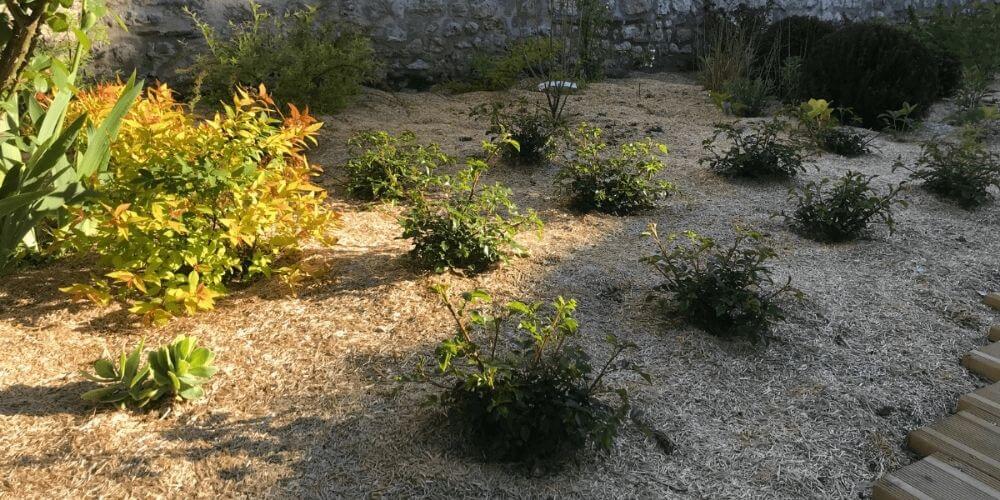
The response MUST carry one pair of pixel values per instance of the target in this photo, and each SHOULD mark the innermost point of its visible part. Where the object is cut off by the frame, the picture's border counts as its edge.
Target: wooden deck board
(984, 403)
(965, 437)
(937, 477)
(992, 300)
(962, 452)
(985, 361)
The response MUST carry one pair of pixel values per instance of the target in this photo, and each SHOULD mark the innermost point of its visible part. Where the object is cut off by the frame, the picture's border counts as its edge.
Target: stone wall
(433, 39)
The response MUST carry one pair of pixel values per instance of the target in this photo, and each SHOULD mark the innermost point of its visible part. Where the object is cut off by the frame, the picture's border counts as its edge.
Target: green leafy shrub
(619, 184)
(720, 290)
(177, 370)
(961, 172)
(968, 31)
(872, 68)
(815, 121)
(844, 142)
(466, 225)
(386, 167)
(188, 206)
(898, 121)
(843, 211)
(516, 385)
(298, 57)
(532, 130)
(755, 152)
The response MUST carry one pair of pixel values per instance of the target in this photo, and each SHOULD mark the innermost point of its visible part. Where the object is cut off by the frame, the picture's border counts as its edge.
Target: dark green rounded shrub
(872, 68)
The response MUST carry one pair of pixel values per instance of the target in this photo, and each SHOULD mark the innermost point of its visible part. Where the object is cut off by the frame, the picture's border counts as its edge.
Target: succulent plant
(128, 380)
(181, 368)
(178, 369)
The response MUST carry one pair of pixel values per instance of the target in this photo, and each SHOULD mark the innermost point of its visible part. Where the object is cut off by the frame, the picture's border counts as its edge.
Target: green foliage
(746, 97)
(594, 18)
(386, 167)
(872, 68)
(904, 119)
(783, 47)
(618, 184)
(815, 122)
(512, 380)
(720, 290)
(532, 130)
(843, 142)
(493, 72)
(755, 152)
(969, 31)
(728, 48)
(465, 225)
(843, 211)
(298, 57)
(178, 370)
(188, 206)
(42, 166)
(961, 172)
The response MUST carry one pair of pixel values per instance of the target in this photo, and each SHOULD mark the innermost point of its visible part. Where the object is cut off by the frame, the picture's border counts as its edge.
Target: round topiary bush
(873, 68)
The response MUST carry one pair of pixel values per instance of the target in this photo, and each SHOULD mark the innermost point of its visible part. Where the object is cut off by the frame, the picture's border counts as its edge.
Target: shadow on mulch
(37, 401)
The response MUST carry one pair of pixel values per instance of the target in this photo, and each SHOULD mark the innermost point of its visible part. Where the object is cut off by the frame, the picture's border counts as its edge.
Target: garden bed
(307, 405)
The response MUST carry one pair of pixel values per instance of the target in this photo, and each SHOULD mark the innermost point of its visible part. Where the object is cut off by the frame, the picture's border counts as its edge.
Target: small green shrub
(755, 152)
(619, 184)
(872, 68)
(815, 121)
(386, 167)
(465, 225)
(516, 385)
(960, 172)
(843, 211)
(298, 57)
(720, 290)
(178, 370)
(898, 121)
(532, 130)
(844, 142)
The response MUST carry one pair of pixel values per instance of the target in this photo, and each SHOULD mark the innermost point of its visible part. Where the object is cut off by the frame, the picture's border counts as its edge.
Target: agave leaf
(201, 357)
(204, 371)
(156, 395)
(183, 367)
(174, 382)
(104, 395)
(93, 378)
(132, 362)
(195, 392)
(140, 376)
(105, 369)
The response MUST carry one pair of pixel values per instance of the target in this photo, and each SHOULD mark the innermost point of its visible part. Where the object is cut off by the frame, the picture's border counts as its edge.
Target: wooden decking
(962, 452)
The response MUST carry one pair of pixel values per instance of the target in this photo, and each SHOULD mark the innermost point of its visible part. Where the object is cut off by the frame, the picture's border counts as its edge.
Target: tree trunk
(17, 51)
